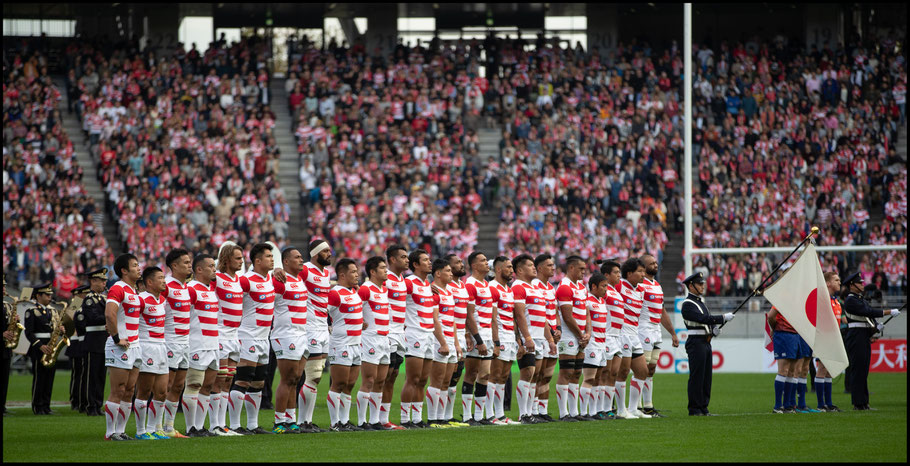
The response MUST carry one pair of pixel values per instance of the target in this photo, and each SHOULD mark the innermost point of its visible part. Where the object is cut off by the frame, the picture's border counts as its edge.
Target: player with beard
(649, 329)
(546, 267)
(460, 293)
(481, 314)
(316, 277)
(203, 348)
(288, 338)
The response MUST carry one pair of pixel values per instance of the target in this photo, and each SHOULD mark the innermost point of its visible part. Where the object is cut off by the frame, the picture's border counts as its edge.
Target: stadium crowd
(48, 229)
(183, 143)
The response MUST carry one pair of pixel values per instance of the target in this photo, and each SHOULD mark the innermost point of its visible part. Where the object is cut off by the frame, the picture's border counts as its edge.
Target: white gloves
(895, 312)
(728, 317)
(715, 331)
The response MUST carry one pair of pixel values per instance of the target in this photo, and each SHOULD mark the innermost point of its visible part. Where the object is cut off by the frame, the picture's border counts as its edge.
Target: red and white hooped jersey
(653, 296)
(258, 306)
(151, 325)
(460, 294)
(177, 323)
(419, 305)
(549, 295)
(318, 286)
(575, 295)
(446, 302)
(203, 317)
(346, 309)
(129, 308)
(505, 307)
(230, 300)
(613, 300)
(375, 308)
(398, 292)
(290, 308)
(535, 306)
(632, 307)
(599, 319)
(480, 292)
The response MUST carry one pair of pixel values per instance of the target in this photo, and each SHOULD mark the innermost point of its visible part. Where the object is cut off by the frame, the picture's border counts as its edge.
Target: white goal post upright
(687, 132)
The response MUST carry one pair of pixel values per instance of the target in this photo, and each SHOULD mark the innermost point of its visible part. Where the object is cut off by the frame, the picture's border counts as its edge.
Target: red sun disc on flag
(812, 306)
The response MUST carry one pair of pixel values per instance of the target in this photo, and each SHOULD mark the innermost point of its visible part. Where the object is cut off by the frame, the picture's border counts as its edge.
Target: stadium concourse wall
(738, 351)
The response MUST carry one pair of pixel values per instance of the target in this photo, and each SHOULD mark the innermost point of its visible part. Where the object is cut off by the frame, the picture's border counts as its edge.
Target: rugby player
(230, 301)
(123, 352)
(460, 294)
(202, 350)
(176, 333)
(822, 376)
(633, 273)
(571, 296)
(420, 322)
(649, 329)
(614, 303)
(595, 352)
(481, 313)
(152, 381)
(375, 344)
(500, 367)
(447, 350)
(288, 339)
(397, 261)
(346, 310)
(546, 267)
(530, 320)
(316, 277)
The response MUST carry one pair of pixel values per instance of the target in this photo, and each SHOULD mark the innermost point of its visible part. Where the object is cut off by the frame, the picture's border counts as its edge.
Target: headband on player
(321, 247)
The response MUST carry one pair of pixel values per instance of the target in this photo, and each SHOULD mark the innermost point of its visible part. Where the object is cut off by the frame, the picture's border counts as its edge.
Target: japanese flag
(800, 294)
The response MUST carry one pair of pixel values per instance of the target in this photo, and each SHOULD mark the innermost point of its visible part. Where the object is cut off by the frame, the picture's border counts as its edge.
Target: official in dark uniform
(701, 327)
(76, 353)
(38, 328)
(7, 353)
(95, 336)
(861, 326)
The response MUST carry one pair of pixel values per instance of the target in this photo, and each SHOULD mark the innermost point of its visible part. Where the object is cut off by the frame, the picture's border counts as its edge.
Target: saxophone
(58, 337)
(12, 316)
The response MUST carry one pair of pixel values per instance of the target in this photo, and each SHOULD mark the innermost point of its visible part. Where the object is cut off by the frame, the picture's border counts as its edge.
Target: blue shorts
(786, 345)
(804, 350)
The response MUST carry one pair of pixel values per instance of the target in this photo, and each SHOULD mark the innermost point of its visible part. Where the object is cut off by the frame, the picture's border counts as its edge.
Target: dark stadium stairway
(90, 179)
(289, 164)
(673, 262)
(488, 223)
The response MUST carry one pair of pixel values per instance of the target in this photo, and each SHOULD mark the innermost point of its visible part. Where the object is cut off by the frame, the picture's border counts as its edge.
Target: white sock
(203, 410)
(635, 393)
(585, 400)
(384, 411)
(141, 407)
(467, 405)
(432, 400)
(170, 412)
(125, 409)
(223, 407)
(609, 391)
(543, 407)
(620, 397)
(334, 404)
(279, 418)
(111, 413)
(532, 399)
(450, 405)
(154, 421)
(405, 412)
(417, 412)
(290, 416)
(190, 404)
(573, 399)
(441, 405)
(647, 393)
(235, 407)
(363, 400)
(523, 392)
(344, 416)
(562, 400)
(214, 410)
(252, 403)
(376, 407)
(309, 400)
(498, 399)
(489, 403)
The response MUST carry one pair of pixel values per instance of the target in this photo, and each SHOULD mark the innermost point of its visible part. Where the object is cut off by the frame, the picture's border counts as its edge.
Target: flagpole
(761, 286)
(889, 318)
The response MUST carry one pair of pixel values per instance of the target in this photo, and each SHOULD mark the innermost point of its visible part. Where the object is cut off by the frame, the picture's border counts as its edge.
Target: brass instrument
(12, 316)
(58, 337)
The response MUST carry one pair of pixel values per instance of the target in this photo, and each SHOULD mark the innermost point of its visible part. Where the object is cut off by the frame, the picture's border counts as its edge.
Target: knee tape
(194, 377)
(395, 361)
(527, 360)
(260, 373)
(313, 371)
(244, 374)
(457, 374)
(653, 356)
(222, 371)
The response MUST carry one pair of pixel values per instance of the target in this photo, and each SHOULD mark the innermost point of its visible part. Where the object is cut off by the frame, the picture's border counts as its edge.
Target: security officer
(861, 326)
(701, 328)
(95, 336)
(76, 353)
(38, 321)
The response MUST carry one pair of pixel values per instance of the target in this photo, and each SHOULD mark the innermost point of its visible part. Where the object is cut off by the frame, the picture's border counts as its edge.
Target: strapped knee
(260, 373)
(244, 374)
(194, 379)
(313, 371)
(654, 356)
(457, 374)
(223, 371)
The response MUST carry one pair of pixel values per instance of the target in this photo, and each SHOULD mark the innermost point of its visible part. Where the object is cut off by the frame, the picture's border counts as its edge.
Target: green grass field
(745, 430)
